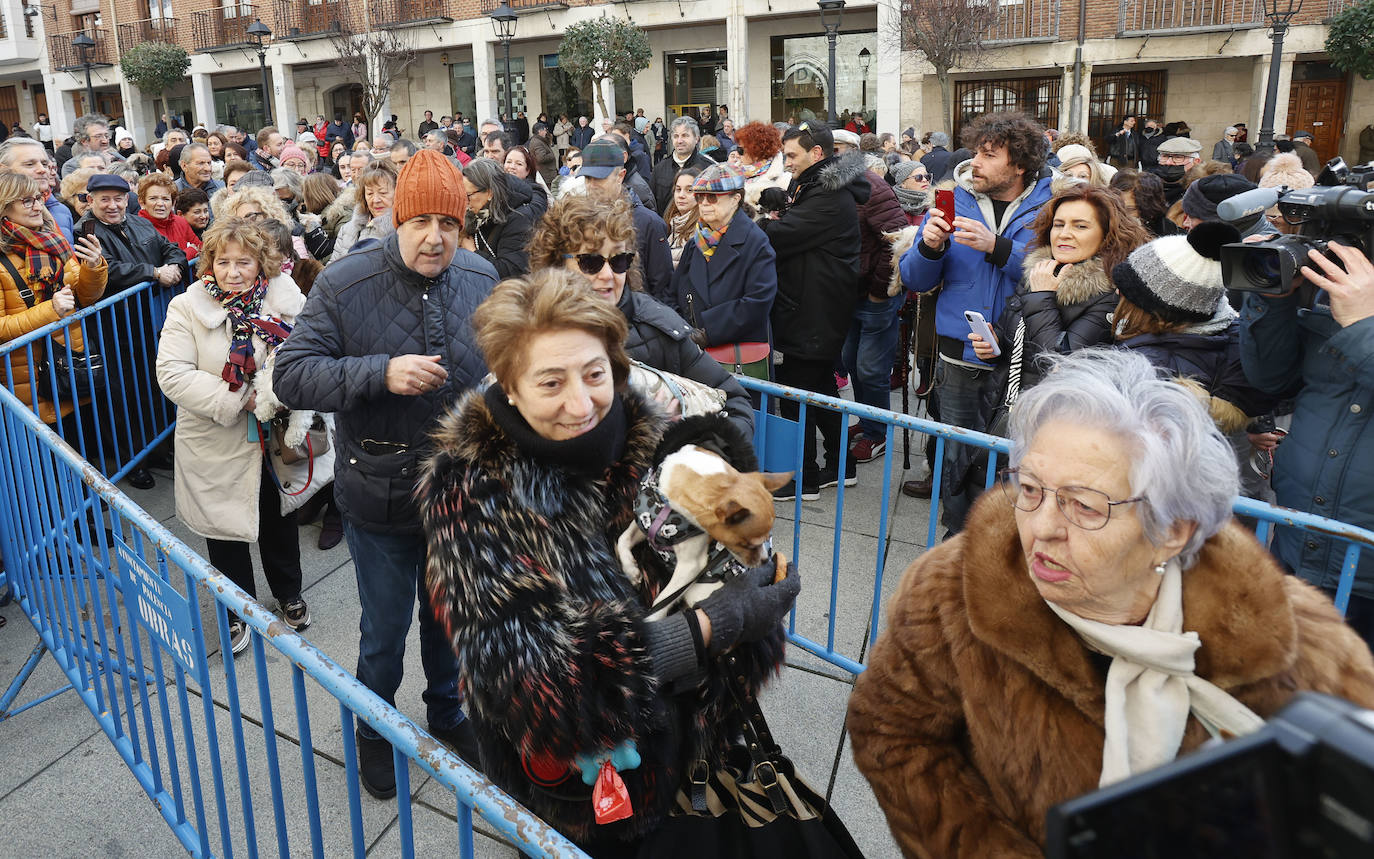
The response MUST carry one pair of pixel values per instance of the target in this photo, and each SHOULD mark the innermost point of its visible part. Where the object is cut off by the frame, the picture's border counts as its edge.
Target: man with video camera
(1325, 355)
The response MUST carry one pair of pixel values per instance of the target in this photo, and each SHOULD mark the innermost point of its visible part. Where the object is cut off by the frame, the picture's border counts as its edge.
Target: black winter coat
(581, 136)
(132, 250)
(662, 339)
(1070, 318)
(654, 258)
(365, 309)
(817, 243)
(730, 295)
(936, 162)
(666, 171)
(506, 245)
(881, 214)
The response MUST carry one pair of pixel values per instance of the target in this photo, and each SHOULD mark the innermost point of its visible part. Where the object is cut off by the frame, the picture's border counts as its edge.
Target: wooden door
(1318, 107)
(9, 107)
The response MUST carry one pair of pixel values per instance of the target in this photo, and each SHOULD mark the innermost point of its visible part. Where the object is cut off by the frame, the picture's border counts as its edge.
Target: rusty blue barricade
(139, 623)
(779, 443)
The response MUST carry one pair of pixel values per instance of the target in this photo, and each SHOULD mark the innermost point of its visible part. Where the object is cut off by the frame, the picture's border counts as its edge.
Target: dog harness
(665, 527)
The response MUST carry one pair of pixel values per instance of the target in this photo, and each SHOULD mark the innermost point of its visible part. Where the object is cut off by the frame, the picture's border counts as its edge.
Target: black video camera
(1339, 208)
(1302, 787)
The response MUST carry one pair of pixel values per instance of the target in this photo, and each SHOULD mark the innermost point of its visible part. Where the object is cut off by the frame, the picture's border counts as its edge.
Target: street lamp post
(865, 60)
(84, 45)
(1278, 13)
(503, 23)
(260, 33)
(831, 12)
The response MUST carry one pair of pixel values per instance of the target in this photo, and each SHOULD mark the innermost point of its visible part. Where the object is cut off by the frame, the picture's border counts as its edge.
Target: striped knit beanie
(1178, 278)
(429, 184)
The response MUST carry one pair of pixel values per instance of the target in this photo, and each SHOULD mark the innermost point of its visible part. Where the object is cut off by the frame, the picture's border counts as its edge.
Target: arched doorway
(345, 101)
(1115, 96)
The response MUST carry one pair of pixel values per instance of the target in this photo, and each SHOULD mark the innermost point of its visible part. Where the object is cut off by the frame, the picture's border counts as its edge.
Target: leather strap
(763, 749)
(21, 285)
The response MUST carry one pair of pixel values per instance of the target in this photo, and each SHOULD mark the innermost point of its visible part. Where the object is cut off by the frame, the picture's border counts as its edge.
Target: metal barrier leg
(17, 684)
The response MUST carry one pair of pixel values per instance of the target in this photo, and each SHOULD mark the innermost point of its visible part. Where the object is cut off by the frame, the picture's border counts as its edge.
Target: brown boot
(918, 488)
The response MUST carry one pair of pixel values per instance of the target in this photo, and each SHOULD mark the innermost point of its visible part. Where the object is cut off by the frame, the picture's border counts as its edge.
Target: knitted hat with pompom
(1178, 278)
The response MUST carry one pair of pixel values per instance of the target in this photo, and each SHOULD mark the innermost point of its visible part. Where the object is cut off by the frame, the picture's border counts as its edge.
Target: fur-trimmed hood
(339, 212)
(1083, 281)
(843, 170)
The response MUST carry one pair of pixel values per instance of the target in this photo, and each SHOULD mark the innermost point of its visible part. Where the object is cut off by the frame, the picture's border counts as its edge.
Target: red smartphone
(944, 201)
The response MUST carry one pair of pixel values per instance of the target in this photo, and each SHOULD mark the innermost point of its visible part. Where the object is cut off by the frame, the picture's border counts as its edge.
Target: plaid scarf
(707, 238)
(45, 251)
(246, 319)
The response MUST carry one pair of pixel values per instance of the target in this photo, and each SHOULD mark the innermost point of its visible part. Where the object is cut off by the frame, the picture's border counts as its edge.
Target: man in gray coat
(385, 344)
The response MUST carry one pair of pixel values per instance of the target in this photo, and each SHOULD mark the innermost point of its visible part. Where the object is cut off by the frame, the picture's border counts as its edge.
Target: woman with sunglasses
(911, 183)
(596, 237)
(38, 253)
(728, 275)
(500, 217)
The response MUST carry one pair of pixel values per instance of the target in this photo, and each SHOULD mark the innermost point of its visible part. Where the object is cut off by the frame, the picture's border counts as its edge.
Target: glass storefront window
(463, 86)
(800, 73)
(240, 107)
(693, 82)
(560, 94)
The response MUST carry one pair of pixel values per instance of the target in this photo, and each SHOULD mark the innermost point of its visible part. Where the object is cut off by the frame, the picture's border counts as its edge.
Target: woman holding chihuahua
(44, 279)
(1066, 296)
(217, 335)
(532, 481)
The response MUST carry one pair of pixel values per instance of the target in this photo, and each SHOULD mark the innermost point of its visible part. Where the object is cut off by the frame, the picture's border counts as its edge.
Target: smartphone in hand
(944, 201)
(978, 325)
(88, 228)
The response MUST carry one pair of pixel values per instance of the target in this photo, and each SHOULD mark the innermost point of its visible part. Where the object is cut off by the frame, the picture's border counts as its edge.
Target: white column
(203, 97)
(136, 109)
(59, 109)
(888, 65)
(737, 63)
(484, 82)
(608, 93)
(284, 97)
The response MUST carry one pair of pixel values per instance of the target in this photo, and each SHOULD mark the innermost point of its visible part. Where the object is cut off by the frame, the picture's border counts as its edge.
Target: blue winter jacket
(62, 215)
(974, 280)
(1325, 466)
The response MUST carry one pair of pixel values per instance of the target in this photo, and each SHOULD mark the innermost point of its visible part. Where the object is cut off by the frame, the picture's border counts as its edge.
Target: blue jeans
(390, 571)
(960, 391)
(868, 354)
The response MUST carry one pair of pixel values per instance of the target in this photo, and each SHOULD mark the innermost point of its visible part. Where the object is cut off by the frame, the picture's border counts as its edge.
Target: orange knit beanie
(429, 184)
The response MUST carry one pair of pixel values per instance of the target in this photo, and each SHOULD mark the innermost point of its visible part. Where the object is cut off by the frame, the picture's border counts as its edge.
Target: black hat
(1201, 199)
(106, 182)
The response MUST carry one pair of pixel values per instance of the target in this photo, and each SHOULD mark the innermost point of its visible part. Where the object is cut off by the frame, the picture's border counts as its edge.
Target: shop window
(1036, 97)
(1115, 96)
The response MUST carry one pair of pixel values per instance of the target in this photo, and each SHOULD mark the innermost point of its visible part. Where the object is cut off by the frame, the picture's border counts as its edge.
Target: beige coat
(218, 471)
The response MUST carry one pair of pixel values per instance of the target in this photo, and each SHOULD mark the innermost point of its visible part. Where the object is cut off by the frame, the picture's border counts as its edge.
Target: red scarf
(45, 251)
(246, 320)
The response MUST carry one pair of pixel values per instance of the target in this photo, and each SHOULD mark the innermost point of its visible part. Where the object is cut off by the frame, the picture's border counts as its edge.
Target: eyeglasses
(705, 197)
(920, 177)
(591, 264)
(1086, 508)
(30, 202)
(83, 197)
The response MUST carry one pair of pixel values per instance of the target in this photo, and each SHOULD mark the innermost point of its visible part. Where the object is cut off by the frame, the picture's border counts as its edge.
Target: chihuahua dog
(718, 506)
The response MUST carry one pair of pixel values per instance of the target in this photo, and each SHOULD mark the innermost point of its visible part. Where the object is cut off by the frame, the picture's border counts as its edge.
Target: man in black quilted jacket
(384, 343)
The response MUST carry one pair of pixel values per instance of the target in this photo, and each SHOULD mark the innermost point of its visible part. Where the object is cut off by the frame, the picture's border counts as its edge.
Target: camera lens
(1262, 267)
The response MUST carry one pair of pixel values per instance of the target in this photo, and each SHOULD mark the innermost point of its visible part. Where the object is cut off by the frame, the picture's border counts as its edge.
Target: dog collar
(662, 525)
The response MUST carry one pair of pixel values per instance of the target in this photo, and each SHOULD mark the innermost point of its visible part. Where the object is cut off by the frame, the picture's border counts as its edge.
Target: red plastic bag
(610, 799)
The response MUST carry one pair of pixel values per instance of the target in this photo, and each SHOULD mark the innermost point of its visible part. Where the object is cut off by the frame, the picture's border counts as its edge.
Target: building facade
(1076, 65)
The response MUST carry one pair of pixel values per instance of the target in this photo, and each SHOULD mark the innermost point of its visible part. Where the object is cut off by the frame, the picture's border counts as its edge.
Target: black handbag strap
(764, 750)
(20, 283)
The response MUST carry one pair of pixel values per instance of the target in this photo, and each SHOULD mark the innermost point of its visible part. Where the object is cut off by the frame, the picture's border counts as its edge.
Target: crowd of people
(460, 312)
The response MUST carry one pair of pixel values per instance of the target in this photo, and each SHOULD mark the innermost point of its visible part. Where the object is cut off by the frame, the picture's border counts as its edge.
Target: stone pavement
(65, 792)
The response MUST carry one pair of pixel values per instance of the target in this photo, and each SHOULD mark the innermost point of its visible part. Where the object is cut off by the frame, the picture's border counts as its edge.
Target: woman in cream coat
(217, 335)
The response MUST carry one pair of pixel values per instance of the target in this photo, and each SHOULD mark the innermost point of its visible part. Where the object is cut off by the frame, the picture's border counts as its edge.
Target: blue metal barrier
(139, 624)
(780, 447)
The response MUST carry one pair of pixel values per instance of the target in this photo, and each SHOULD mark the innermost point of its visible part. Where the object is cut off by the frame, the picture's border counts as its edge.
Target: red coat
(320, 131)
(177, 231)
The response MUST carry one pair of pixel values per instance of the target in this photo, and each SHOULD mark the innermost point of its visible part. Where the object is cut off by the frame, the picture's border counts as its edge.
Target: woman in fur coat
(1016, 669)
(218, 333)
(531, 483)
(1066, 296)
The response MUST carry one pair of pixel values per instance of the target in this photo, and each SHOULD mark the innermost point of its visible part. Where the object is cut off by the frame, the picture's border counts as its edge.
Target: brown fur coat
(980, 709)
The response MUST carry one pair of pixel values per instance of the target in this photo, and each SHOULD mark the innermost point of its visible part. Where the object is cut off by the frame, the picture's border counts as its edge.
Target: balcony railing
(489, 6)
(402, 13)
(65, 57)
(1162, 16)
(147, 30)
(301, 19)
(226, 27)
(1025, 21)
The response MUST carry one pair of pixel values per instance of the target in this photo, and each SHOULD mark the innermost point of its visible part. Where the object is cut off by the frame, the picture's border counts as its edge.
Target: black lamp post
(503, 23)
(260, 33)
(84, 45)
(831, 12)
(865, 60)
(1278, 13)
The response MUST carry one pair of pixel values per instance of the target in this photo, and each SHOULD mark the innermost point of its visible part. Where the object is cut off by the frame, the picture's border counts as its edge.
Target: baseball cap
(601, 158)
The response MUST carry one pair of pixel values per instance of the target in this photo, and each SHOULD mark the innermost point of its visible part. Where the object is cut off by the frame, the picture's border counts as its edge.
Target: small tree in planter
(604, 49)
(155, 67)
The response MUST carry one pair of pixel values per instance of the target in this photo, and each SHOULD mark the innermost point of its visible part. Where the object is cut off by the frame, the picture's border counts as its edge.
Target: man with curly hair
(976, 251)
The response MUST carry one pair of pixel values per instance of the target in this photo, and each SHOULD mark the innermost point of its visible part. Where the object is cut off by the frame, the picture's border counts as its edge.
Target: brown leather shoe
(918, 488)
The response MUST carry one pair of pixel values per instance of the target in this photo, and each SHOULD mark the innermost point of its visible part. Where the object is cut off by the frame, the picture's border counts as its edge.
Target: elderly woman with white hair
(1100, 614)
(1079, 162)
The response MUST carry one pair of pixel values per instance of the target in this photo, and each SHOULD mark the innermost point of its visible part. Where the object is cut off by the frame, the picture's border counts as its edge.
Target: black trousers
(278, 542)
(1359, 615)
(818, 377)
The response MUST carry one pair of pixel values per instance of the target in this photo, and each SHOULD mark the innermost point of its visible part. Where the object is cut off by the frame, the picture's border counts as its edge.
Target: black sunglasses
(591, 264)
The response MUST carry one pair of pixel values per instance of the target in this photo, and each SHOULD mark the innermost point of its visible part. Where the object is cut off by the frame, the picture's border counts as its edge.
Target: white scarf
(1151, 687)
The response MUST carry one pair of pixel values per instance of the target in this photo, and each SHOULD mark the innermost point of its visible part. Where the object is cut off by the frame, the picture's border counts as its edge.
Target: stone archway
(345, 99)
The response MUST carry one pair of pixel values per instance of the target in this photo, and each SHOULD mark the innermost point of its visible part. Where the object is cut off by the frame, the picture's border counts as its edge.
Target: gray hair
(487, 175)
(285, 177)
(226, 130)
(435, 134)
(82, 123)
(688, 122)
(406, 146)
(167, 135)
(496, 122)
(189, 151)
(939, 138)
(1231, 129)
(1182, 466)
(7, 148)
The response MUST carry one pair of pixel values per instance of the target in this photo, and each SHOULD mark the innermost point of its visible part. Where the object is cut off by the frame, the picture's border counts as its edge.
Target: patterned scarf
(45, 251)
(752, 170)
(246, 319)
(707, 238)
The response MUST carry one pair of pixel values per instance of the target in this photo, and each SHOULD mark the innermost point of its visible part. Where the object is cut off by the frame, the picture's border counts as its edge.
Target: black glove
(773, 199)
(749, 606)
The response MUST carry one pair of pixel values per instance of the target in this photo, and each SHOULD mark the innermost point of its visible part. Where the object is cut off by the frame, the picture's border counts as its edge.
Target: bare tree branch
(949, 34)
(376, 59)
